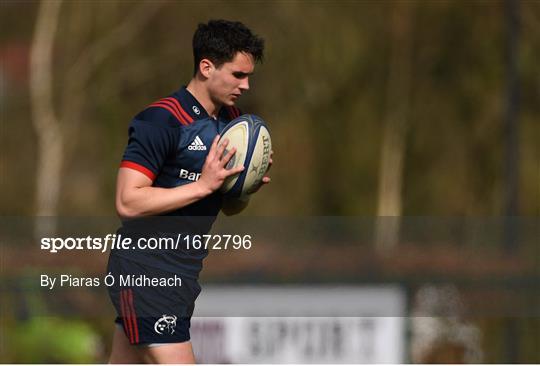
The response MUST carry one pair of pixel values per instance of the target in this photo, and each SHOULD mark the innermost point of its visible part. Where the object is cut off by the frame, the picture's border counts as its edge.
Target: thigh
(122, 352)
(179, 353)
(148, 314)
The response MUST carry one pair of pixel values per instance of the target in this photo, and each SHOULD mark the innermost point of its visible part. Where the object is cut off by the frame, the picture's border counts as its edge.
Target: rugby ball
(249, 134)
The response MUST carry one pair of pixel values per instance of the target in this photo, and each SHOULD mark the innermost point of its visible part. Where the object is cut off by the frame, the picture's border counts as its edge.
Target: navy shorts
(151, 314)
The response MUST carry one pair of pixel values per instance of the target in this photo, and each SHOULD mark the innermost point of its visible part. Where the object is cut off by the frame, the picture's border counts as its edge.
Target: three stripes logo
(129, 317)
(197, 145)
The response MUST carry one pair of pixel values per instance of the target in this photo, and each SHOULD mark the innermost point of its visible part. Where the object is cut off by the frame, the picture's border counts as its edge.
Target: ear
(206, 67)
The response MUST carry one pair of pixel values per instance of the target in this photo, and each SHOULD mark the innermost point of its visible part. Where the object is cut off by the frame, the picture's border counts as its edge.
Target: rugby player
(173, 167)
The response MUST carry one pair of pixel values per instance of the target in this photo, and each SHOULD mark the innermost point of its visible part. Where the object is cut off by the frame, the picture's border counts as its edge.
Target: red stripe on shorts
(128, 316)
(123, 311)
(133, 315)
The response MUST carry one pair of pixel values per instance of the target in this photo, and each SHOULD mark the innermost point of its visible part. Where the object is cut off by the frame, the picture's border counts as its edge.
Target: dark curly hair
(220, 40)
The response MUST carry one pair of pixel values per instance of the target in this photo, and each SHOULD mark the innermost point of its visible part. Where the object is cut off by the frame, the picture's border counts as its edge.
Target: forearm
(147, 201)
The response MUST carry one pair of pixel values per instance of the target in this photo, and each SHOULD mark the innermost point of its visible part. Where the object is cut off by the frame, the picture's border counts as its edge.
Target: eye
(240, 75)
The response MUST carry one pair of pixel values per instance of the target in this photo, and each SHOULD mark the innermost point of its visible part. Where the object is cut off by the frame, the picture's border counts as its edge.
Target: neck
(197, 88)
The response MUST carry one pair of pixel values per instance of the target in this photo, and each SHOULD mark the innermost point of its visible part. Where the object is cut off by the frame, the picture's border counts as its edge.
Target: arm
(136, 197)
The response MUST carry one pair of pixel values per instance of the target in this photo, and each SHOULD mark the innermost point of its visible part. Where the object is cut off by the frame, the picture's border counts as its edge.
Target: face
(228, 82)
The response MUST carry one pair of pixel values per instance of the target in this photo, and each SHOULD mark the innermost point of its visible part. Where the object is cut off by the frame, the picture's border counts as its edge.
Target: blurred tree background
(325, 88)
(375, 108)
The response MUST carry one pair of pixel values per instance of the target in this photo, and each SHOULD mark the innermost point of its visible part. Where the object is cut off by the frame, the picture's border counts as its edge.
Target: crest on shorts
(166, 324)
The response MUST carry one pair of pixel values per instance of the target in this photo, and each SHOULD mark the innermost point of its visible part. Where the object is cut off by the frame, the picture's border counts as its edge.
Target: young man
(173, 168)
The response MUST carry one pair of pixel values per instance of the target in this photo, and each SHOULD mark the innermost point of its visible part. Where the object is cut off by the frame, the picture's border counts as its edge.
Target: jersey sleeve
(148, 147)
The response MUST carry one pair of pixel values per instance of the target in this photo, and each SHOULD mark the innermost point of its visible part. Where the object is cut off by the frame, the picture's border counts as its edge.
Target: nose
(244, 85)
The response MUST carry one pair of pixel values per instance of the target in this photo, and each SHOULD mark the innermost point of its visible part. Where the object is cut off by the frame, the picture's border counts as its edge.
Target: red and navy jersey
(168, 142)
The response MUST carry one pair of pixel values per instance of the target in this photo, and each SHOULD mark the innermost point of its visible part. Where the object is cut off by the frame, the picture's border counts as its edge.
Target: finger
(221, 148)
(228, 157)
(264, 181)
(270, 162)
(234, 171)
(213, 147)
(215, 142)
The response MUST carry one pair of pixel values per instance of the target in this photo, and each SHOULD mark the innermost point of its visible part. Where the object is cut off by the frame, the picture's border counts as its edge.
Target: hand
(266, 179)
(213, 172)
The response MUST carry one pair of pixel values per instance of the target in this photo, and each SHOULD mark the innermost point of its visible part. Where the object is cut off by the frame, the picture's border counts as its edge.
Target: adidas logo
(197, 145)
